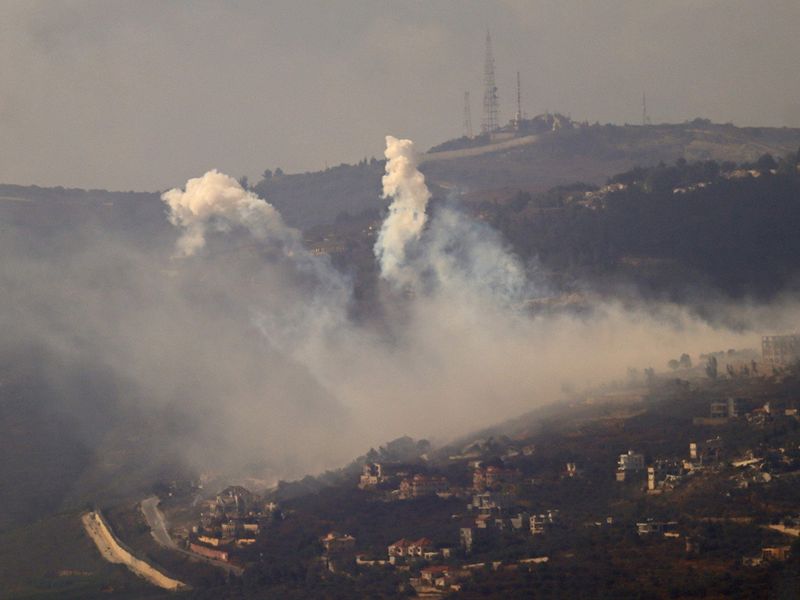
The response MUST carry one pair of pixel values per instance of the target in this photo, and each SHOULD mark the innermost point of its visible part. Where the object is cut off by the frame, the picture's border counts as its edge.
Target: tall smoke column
(406, 185)
(217, 201)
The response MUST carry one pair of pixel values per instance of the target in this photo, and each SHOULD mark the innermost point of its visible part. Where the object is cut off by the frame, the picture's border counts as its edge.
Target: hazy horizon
(145, 95)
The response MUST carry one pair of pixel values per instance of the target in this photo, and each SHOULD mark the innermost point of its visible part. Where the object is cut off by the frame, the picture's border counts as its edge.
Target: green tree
(711, 367)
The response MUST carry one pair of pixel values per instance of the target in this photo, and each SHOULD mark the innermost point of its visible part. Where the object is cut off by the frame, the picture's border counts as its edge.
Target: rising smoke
(403, 226)
(244, 338)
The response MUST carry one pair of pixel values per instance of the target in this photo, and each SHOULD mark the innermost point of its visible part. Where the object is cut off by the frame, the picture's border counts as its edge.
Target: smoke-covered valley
(242, 350)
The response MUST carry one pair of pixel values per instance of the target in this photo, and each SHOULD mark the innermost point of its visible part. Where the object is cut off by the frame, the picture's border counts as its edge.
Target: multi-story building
(780, 350)
(629, 464)
(422, 485)
(371, 476)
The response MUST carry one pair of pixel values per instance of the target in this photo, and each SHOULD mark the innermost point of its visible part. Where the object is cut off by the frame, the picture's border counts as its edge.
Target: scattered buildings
(233, 519)
(422, 485)
(404, 549)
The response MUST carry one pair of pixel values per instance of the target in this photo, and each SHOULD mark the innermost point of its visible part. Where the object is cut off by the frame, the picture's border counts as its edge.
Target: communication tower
(490, 103)
(467, 117)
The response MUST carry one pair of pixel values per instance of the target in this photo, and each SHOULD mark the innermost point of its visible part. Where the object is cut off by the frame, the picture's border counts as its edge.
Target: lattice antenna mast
(467, 117)
(519, 116)
(490, 103)
(645, 118)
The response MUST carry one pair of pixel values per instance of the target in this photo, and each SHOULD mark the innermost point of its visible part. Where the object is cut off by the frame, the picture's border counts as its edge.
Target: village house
(422, 485)
(214, 541)
(493, 477)
(466, 537)
(650, 527)
(780, 351)
(730, 408)
(337, 550)
(539, 523)
(521, 520)
(209, 552)
(664, 475)
(371, 476)
(410, 549)
(334, 543)
(487, 503)
(442, 577)
(629, 464)
(236, 501)
(776, 553)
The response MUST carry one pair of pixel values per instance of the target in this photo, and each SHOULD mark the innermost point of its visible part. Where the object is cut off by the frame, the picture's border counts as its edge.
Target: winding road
(158, 529)
(155, 520)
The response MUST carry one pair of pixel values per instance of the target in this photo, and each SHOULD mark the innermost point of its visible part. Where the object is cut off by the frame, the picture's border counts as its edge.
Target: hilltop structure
(490, 122)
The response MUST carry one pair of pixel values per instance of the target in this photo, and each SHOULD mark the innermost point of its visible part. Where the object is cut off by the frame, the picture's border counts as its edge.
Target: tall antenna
(467, 116)
(519, 104)
(490, 104)
(645, 118)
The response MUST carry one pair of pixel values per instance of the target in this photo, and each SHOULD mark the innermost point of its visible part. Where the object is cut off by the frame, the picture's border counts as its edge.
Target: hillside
(698, 528)
(572, 153)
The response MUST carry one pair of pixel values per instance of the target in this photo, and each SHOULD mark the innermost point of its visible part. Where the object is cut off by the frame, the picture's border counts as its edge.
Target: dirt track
(112, 551)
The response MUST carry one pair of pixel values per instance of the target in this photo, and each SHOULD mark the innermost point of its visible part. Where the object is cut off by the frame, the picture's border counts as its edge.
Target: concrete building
(729, 408)
(629, 464)
(778, 553)
(336, 543)
(466, 537)
(492, 477)
(409, 549)
(540, 522)
(778, 351)
(650, 527)
(371, 476)
(422, 485)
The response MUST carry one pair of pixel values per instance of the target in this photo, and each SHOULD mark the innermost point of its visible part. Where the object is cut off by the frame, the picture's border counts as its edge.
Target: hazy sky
(142, 95)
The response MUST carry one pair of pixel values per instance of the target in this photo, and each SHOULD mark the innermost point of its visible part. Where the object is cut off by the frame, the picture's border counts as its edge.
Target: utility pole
(467, 117)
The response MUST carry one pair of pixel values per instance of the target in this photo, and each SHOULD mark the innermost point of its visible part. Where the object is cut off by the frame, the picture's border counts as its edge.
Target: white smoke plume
(218, 202)
(406, 186)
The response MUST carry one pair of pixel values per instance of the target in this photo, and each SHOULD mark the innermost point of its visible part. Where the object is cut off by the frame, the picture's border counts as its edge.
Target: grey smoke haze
(246, 338)
(138, 95)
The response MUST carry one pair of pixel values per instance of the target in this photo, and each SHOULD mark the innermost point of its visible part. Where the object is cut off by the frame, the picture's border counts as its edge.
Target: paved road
(158, 529)
(155, 519)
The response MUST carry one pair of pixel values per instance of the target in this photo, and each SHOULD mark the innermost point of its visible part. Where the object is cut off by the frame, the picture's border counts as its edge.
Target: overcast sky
(142, 95)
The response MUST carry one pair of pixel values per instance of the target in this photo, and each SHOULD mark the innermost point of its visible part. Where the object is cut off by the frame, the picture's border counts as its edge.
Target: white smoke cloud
(406, 186)
(216, 201)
